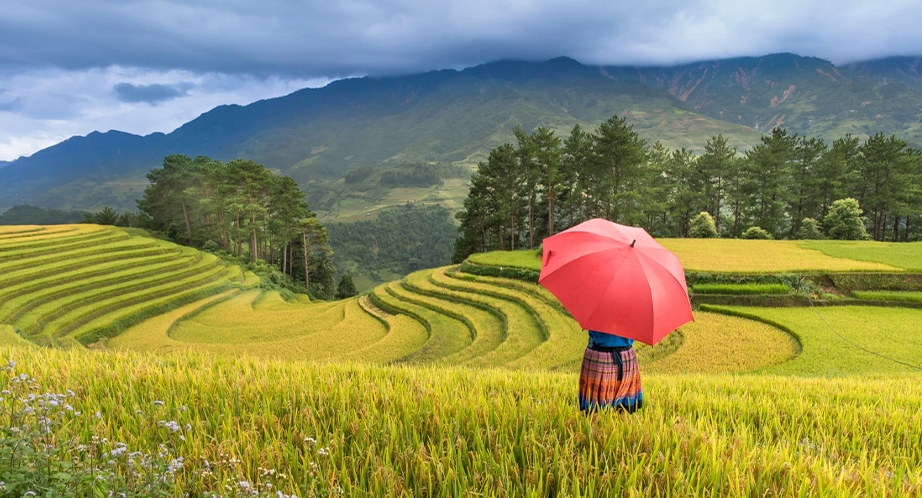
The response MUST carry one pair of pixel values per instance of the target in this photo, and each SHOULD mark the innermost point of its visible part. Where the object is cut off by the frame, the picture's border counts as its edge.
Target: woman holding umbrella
(620, 285)
(610, 376)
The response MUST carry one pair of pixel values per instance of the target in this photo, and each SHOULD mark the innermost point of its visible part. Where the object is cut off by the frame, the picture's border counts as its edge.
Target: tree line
(243, 209)
(543, 183)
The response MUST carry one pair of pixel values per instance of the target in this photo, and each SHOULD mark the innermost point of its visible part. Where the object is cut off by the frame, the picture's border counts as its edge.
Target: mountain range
(319, 135)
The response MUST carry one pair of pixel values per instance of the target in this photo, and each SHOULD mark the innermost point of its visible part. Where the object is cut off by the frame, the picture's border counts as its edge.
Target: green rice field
(761, 256)
(451, 383)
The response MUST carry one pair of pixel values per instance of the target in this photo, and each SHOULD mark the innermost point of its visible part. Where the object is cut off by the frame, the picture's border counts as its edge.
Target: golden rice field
(452, 384)
(368, 431)
(440, 317)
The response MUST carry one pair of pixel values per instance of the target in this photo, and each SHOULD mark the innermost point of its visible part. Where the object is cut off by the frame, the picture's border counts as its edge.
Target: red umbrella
(616, 279)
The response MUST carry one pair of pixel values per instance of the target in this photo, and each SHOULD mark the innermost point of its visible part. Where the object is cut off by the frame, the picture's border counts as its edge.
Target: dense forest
(401, 240)
(242, 209)
(543, 184)
(32, 215)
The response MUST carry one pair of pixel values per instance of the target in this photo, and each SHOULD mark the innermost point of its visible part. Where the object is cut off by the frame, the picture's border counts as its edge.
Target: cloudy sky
(69, 67)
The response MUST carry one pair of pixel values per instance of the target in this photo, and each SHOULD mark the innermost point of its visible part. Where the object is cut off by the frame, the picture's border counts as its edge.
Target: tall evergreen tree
(620, 154)
(716, 166)
(805, 193)
(767, 171)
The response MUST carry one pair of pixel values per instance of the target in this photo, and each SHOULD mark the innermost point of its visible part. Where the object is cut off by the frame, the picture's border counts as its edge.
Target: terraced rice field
(478, 393)
(442, 317)
(76, 284)
(845, 340)
(761, 256)
(79, 283)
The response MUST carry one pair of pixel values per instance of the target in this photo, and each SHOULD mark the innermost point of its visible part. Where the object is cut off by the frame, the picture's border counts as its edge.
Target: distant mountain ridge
(804, 94)
(319, 134)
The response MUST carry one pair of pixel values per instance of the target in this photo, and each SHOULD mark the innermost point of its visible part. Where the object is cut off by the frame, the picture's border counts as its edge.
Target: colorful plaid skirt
(610, 378)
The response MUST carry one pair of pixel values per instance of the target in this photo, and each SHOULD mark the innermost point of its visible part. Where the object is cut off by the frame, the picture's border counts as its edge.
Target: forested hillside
(399, 241)
(31, 215)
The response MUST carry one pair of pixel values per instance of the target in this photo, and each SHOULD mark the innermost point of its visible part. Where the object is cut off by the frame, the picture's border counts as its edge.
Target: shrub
(756, 233)
(346, 287)
(809, 230)
(844, 221)
(702, 226)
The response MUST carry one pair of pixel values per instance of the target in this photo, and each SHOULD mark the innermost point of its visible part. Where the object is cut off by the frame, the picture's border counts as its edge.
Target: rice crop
(73, 258)
(269, 328)
(238, 321)
(844, 340)
(425, 431)
(447, 335)
(560, 340)
(55, 319)
(742, 256)
(25, 232)
(716, 343)
(151, 335)
(906, 255)
(741, 289)
(488, 324)
(905, 296)
(529, 259)
(404, 336)
(645, 353)
(83, 282)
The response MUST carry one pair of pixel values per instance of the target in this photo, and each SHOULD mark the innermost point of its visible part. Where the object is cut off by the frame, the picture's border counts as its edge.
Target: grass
(398, 431)
(833, 337)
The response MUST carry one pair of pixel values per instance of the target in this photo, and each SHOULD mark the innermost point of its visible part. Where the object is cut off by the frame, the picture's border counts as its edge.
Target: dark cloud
(294, 38)
(151, 94)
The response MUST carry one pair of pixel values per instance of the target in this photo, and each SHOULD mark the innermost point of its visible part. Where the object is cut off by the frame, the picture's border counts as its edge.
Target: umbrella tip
(632, 243)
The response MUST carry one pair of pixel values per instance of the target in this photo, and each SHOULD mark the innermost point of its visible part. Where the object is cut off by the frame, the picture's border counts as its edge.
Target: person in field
(610, 377)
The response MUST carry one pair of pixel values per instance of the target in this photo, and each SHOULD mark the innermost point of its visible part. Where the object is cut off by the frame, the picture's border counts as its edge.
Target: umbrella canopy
(616, 279)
